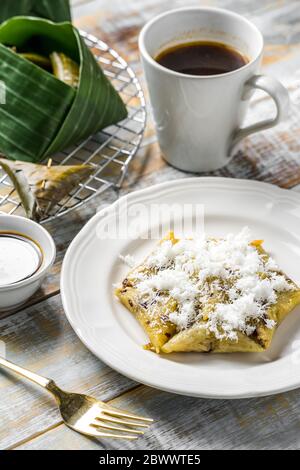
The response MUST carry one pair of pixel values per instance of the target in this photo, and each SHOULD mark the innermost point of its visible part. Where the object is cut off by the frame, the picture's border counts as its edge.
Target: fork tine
(124, 414)
(122, 421)
(96, 433)
(115, 428)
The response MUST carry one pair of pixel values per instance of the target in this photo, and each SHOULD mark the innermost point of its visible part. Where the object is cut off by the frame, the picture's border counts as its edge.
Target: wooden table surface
(39, 336)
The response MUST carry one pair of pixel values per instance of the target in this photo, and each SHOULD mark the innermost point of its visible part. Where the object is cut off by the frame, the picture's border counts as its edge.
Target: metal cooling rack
(109, 151)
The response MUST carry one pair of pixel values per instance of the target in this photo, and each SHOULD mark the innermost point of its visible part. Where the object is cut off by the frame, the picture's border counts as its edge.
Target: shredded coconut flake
(129, 260)
(191, 272)
(270, 323)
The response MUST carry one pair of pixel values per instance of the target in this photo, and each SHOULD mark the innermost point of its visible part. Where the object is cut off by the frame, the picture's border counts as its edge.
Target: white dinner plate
(92, 265)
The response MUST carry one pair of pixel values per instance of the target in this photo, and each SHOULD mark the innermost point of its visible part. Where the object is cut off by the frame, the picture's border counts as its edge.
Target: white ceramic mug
(198, 118)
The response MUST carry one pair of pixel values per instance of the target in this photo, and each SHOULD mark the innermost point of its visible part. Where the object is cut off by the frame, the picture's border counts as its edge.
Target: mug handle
(281, 98)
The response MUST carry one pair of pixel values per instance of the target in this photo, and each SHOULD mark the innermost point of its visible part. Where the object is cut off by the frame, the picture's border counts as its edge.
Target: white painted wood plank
(41, 339)
(87, 8)
(185, 423)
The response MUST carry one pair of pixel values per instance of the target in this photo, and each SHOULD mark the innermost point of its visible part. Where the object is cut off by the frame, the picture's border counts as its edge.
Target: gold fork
(85, 414)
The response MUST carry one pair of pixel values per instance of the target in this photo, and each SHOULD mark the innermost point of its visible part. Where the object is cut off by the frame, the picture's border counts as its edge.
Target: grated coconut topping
(192, 272)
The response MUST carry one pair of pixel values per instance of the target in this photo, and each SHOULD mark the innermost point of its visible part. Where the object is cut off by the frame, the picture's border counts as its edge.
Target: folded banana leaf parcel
(54, 10)
(56, 94)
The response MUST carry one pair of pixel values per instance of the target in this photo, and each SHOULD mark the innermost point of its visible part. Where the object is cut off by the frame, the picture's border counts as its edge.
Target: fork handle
(42, 381)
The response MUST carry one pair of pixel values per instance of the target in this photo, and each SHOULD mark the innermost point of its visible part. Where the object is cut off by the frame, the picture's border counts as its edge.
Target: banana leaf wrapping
(40, 187)
(54, 10)
(42, 114)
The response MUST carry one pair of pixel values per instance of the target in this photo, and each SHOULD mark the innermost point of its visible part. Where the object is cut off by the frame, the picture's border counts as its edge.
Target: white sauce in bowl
(20, 258)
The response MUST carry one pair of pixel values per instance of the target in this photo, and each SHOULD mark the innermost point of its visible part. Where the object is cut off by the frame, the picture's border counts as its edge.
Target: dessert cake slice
(212, 295)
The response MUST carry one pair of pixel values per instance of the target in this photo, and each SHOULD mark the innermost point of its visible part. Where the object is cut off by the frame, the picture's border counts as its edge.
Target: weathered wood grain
(185, 423)
(41, 339)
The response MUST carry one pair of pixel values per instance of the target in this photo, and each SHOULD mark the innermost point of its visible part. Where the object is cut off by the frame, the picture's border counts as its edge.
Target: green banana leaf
(54, 10)
(43, 115)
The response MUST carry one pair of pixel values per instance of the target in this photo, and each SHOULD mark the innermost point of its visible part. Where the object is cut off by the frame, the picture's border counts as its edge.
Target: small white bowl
(14, 295)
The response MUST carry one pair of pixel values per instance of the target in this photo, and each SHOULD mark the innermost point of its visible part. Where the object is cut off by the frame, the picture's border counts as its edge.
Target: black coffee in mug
(201, 58)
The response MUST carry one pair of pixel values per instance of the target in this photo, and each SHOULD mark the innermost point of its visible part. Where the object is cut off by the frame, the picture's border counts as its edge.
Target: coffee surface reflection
(201, 58)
